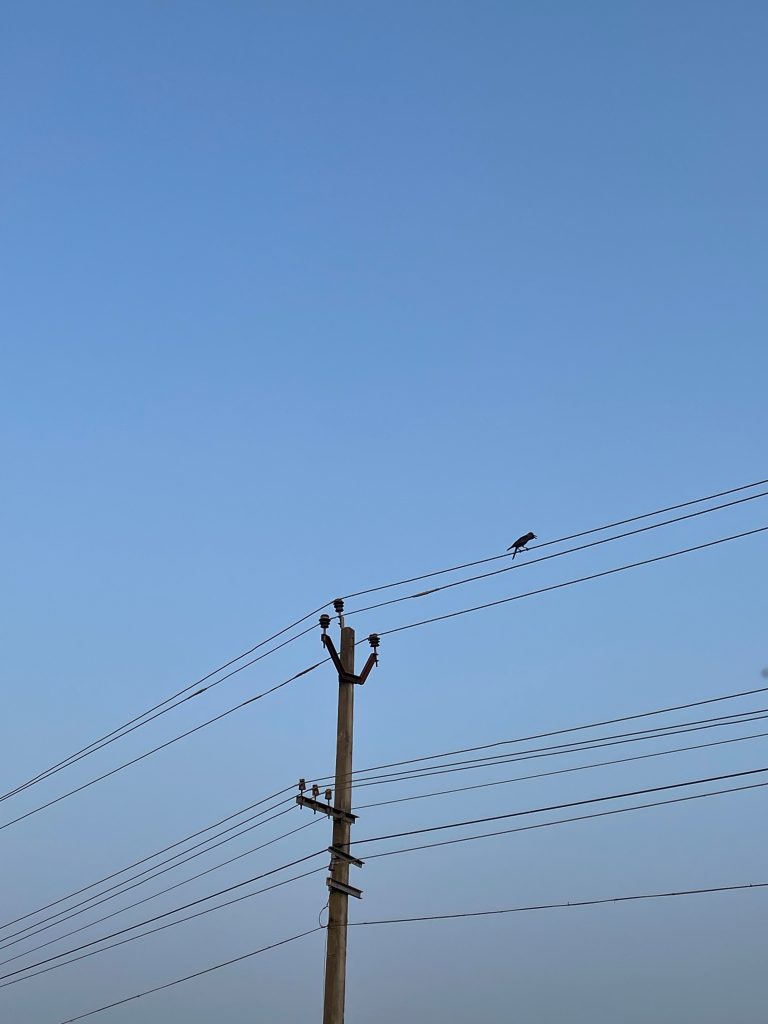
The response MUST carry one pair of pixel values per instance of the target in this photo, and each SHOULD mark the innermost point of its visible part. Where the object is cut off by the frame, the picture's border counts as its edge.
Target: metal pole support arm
(372, 659)
(344, 676)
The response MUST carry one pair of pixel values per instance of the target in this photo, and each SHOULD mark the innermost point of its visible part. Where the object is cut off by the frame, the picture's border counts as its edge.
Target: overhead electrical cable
(151, 856)
(570, 583)
(162, 746)
(558, 732)
(153, 713)
(152, 896)
(562, 906)
(571, 747)
(546, 558)
(423, 918)
(557, 540)
(164, 927)
(158, 917)
(567, 821)
(106, 895)
(359, 807)
(189, 977)
(147, 875)
(562, 806)
(167, 704)
(362, 774)
(558, 771)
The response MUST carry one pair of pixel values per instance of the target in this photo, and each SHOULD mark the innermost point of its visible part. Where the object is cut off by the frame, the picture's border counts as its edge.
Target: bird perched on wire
(520, 543)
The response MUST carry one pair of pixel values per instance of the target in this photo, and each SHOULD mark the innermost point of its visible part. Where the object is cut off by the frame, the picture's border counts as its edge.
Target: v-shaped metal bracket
(344, 676)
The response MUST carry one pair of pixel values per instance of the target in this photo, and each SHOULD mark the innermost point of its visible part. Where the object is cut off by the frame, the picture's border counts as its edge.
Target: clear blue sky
(299, 298)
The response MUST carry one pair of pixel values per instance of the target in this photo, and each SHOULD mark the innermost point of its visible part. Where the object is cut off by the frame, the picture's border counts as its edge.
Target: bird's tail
(514, 552)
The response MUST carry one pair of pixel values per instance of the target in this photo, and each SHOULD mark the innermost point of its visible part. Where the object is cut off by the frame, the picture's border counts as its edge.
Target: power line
(572, 747)
(35, 929)
(189, 977)
(570, 583)
(413, 832)
(559, 771)
(5, 978)
(561, 807)
(151, 856)
(151, 873)
(374, 856)
(420, 797)
(559, 732)
(289, 789)
(162, 746)
(155, 712)
(121, 888)
(558, 540)
(151, 920)
(146, 899)
(566, 821)
(95, 901)
(431, 917)
(557, 554)
(161, 927)
(574, 728)
(563, 906)
(91, 902)
(161, 708)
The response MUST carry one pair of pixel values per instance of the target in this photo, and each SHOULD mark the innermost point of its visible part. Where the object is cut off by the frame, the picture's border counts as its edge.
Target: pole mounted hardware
(343, 855)
(337, 813)
(344, 888)
(344, 676)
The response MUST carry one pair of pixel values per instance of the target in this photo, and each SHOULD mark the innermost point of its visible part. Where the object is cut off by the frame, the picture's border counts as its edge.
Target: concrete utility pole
(338, 881)
(338, 901)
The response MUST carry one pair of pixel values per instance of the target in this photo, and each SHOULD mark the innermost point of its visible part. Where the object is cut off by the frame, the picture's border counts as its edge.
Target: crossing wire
(559, 771)
(166, 705)
(154, 895)
(567, 821)
(431, 917)
(162, 746)
(560, 807)
(562, 906)
(546, 558)
(382, 803)
(558, 540)
(570, 583)
(90, 904)
(11, 978)
(573, 747)
(143, 860)
(99, 898)
(161, 709)
(559, 732)
(189, 977)
(362, 773)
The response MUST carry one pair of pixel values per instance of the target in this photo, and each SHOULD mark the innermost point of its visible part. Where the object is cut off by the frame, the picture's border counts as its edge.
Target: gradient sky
(301, 298)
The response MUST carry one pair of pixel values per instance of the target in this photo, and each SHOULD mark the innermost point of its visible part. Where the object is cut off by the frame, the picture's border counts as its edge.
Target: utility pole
(339, 889)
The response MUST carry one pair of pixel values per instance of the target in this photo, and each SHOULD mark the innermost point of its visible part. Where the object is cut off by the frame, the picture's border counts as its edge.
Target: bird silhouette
(520, 543)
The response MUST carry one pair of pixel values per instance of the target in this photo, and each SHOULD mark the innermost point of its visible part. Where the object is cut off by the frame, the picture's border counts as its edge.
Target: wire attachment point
(374, 640)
